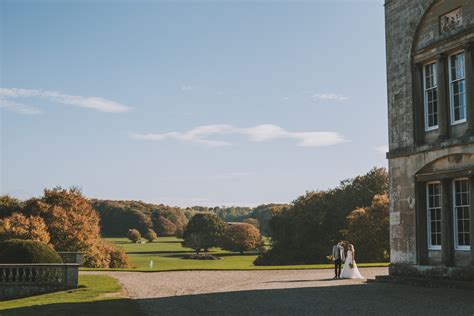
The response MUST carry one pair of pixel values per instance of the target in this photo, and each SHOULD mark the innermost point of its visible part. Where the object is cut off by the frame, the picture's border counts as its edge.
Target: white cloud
(381, 149)
(330, 97)
(17, 107)
(95, 103)
(259, 133)
(186, 88)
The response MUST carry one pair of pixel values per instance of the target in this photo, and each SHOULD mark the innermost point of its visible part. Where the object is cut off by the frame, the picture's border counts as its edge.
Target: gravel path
(285, 292)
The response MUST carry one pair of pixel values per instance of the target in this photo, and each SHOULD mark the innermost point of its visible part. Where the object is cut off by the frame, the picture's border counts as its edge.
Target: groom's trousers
(337, 267)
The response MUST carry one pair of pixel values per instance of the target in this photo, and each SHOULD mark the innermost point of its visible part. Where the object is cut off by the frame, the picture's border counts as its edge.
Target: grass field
(96, 295)
(167, 252)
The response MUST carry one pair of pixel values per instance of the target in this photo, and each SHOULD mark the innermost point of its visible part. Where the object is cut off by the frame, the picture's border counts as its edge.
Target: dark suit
(338, 255)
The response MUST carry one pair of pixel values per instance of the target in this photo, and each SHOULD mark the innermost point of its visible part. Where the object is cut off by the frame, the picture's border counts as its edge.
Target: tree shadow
(170, 252)
(355, 299)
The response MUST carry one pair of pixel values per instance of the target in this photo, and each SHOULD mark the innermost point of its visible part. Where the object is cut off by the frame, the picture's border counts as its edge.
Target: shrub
(241, 238)
(18, 226)
(134, 235)
(27, 251)
(150, 235)
(117, 256)
(204, 231)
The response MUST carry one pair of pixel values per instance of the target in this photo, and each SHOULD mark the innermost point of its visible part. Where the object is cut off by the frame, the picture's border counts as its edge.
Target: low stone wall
(20, 280)
(432, 272)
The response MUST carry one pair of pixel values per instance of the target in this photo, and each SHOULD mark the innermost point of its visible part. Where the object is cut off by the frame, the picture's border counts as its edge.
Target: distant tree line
(117, 217)
(356, 211)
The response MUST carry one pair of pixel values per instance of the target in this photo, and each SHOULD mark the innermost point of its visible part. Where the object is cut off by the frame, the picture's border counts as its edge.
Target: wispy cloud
(186, 88)
(259, 133)
(18, 107)
(381, 149)
(95, 103)
(330, 97)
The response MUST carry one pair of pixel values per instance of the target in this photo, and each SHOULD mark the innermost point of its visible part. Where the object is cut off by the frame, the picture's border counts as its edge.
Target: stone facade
(419, 33)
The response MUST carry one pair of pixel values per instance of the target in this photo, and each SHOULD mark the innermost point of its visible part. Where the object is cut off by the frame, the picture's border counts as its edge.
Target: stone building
(430, 76)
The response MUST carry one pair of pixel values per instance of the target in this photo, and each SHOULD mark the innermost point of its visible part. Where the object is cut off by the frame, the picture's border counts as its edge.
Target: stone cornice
(408, 151)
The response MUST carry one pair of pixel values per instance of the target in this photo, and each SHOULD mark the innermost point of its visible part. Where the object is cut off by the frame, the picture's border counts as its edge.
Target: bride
(350, 270)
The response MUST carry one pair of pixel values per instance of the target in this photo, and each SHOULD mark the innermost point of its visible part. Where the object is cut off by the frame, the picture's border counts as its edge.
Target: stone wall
(20, 280)
(403, 199)
(412, 26)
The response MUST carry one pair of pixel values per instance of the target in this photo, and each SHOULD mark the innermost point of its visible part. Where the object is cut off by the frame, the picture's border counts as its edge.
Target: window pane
(434, 213)
(461, 209)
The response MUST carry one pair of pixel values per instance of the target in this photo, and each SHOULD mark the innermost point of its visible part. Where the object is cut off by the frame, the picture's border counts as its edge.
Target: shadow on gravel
(359, 299)
(116, 307)
(298, 281)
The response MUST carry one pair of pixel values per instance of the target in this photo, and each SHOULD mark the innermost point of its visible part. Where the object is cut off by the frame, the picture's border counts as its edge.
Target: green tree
(203, 231)
(241, 238)
(369, 230)
(305, 232)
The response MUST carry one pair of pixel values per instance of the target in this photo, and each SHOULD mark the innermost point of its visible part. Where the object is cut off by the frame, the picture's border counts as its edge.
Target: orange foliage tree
(18, 226)
(73, 225)
(241, 237)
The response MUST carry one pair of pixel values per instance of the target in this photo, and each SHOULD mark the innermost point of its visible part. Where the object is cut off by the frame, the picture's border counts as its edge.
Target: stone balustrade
(19, 280)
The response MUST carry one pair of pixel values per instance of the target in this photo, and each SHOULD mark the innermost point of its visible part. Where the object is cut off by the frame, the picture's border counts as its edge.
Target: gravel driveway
(285, 292)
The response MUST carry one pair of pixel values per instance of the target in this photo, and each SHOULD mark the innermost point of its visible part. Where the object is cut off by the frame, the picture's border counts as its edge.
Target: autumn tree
(369, 230)
(18, 226)
(241, 238)
(134, 235)
(203, 231)
(163, 226)
(72, 224)
(150, 235)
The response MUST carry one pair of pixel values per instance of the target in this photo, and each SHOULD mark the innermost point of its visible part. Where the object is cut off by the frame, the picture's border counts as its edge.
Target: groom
(338, 258)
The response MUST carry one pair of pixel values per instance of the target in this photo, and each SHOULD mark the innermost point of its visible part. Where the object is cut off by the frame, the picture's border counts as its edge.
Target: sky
(190, 102)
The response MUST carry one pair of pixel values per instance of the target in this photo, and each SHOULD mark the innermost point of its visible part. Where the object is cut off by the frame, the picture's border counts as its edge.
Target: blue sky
(191, 102)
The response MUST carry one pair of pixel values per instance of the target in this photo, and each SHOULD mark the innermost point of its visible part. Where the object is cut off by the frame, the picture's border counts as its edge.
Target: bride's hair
(351, 248)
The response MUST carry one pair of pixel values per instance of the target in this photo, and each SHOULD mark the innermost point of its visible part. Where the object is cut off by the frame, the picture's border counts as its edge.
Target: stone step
(423, 282)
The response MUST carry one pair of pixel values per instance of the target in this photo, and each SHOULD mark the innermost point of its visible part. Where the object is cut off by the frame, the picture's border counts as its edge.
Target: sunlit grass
(96, 295)
(166, 255)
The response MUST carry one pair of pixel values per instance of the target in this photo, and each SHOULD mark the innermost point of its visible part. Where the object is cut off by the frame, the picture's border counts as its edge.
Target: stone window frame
(426, 113)
(455, 214)
(431, 246)
(451, 82)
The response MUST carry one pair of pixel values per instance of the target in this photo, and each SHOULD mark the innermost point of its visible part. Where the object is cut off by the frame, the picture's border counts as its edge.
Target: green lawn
(166, 254)
(96, 295)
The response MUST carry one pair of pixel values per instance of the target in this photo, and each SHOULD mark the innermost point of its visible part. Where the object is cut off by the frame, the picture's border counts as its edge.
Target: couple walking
(350, 270)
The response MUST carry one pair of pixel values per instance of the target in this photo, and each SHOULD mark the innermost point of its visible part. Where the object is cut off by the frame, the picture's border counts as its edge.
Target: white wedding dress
(347, 271)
